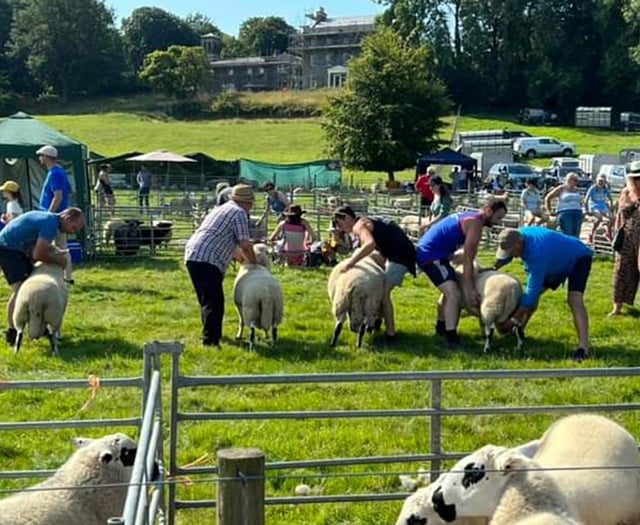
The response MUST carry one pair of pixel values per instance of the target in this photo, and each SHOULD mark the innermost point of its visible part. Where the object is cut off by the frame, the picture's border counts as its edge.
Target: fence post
(436, 427)
(240, 499)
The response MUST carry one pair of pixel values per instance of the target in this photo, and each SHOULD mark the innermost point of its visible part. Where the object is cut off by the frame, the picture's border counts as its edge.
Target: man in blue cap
(549, 258)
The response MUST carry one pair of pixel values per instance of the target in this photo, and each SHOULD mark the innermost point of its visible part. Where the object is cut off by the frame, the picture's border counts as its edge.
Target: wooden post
(240, 498)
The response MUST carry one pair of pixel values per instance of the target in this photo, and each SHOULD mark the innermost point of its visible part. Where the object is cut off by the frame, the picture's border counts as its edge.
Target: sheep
(74, 494)
(357, 295)
(593, 459)
(109, 228)
(41, 303)
(158, 234)
(258, 297)
(531, 496)
(500, 295)
(412, 224)
(402, 202)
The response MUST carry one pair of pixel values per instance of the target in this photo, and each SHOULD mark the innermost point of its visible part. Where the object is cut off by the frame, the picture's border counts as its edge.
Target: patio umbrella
(162, 155)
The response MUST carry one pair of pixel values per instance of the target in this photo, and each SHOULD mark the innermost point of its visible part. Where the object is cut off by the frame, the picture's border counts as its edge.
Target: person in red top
(422, 185)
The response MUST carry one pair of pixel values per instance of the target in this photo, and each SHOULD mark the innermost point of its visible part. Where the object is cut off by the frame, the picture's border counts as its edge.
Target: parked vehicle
(489, 135)
(532, 147)
(536, 116)
(591, 162)
(514, 176)
(486, 159)
(616, 175)
(562, 166)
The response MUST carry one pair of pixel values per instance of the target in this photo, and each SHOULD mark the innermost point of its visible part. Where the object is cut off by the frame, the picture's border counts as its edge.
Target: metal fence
(435, 413)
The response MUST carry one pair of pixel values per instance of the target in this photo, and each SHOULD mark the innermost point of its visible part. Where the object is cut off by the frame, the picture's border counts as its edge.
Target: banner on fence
(319, 173)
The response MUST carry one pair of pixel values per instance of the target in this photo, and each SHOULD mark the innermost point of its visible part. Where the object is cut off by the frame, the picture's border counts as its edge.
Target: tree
(202, 24)
(151, 29)
(265, 36)
(70, 46)
(390, 109)
(179, 71)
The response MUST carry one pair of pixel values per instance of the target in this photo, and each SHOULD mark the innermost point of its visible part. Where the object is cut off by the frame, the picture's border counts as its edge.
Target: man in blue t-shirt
(549, 258)
(55, 195)
(28, 238)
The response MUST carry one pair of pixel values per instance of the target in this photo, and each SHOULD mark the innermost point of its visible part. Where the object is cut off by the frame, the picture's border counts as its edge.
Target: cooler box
(75, 250)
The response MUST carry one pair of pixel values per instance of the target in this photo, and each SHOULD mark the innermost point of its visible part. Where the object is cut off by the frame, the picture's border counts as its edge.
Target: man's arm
(247, 250)
(473, 234)
(56, 201)
(45, 252)
(367, 243)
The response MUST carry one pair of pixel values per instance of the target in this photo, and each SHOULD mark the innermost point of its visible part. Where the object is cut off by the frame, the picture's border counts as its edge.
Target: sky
(229, 14)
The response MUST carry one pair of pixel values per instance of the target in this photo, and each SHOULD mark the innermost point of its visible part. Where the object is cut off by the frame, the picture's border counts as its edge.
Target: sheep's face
(115, 451)
(418, 509)
(262, 255)
(473, 487)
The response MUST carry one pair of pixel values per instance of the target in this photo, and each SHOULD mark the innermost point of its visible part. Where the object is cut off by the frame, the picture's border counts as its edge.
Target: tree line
(489, 54)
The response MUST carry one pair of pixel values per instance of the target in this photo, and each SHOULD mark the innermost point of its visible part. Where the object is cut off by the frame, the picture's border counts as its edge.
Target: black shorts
(15, 264)
(580, 274)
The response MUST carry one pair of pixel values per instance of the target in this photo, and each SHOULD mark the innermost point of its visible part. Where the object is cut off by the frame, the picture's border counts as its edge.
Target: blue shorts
(439, 271)
(580, 274)
(599, 207)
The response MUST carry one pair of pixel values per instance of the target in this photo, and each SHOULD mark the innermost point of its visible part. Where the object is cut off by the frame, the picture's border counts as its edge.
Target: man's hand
(472, 298)
(347, 267)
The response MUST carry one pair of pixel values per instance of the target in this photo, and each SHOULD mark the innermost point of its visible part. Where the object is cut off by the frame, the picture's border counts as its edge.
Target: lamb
(357, 295)
(41, 303)
(109, 228)
(531, 496)
(65, 498)
(593, 459)
(500, 295)
(258, 297)
(412, 224)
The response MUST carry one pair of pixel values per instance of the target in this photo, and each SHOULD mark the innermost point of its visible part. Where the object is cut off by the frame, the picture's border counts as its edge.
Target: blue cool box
(75, 249)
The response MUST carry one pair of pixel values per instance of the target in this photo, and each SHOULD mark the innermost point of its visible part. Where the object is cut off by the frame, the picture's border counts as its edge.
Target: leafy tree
(390, 109)
(151, 29)
(69, 46)
(265, 36)
(202, 24)
(179, 71)
(232, 47)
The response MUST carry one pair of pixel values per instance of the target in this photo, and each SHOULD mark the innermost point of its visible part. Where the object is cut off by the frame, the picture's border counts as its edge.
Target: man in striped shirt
(209, 252)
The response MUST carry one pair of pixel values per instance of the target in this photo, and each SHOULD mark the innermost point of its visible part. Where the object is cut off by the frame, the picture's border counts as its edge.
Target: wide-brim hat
(10, 185)
(242, 193)
(634, 169)
(293, 210)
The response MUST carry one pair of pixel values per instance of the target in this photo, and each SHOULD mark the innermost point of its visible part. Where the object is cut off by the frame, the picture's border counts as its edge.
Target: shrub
(189, 109)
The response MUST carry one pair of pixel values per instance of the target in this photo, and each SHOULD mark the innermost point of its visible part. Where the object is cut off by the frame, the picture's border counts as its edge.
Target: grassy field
(116, 306)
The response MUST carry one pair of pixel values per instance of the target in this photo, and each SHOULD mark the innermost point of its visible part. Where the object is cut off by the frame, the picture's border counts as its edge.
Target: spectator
(455, 178)
(276, 201)
(423, 187)
(442, 200)
(377, 233)
(626, 273)
(549, 258)
(55, 197)
(104, 190)
(209, 251)
(434, 251)
(599, 204)
(144, 178)
(531, 204)
(11, 192)
(296, 234)
(569, 207)
(27, 239)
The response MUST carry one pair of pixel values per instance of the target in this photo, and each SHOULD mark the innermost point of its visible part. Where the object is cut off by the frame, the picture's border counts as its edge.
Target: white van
(616, 175)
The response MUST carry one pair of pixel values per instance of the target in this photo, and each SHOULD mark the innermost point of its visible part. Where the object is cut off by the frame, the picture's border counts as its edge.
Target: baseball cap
(507, 241)
(10, 185)
(48, 151)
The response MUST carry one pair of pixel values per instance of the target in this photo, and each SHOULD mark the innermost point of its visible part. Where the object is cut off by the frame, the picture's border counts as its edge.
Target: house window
(249, 71)
(230, 72)
(260, 71)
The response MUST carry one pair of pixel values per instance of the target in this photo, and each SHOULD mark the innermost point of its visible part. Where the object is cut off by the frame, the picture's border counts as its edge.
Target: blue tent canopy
(448, 157)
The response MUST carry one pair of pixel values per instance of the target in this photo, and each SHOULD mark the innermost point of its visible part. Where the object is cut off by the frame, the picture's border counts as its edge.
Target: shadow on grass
(160, 264)
(120, 287)
(79, 348)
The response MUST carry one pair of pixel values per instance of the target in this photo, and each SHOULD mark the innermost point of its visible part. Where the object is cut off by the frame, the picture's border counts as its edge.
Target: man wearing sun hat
(550, 258)
(209, 251)
(54, 197)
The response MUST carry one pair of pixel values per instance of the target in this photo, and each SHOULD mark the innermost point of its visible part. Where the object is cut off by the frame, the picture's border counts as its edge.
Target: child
(297, 235)
(11, 192)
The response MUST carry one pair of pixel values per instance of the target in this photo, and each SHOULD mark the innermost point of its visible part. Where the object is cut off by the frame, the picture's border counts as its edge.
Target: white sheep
(531, 496)
(412, 224)
(356, 295)
(89, 489)
(593, 459)
(41, 303)
(258, 297)
(109, 228)
(500, 295)
(402, 202)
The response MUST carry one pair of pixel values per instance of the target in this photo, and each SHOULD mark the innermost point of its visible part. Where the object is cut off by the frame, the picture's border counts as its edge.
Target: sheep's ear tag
(81, 442)
(106, 456)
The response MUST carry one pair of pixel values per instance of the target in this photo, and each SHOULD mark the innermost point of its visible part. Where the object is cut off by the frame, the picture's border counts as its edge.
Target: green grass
(116, 306)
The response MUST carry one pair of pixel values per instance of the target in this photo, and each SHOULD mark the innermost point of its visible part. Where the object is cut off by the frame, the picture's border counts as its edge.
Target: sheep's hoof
(18, 343)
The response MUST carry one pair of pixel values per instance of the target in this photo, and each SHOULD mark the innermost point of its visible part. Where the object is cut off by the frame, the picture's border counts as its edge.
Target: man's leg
(580, 318)
(441, 274)
(207, 282)
(394, 275)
